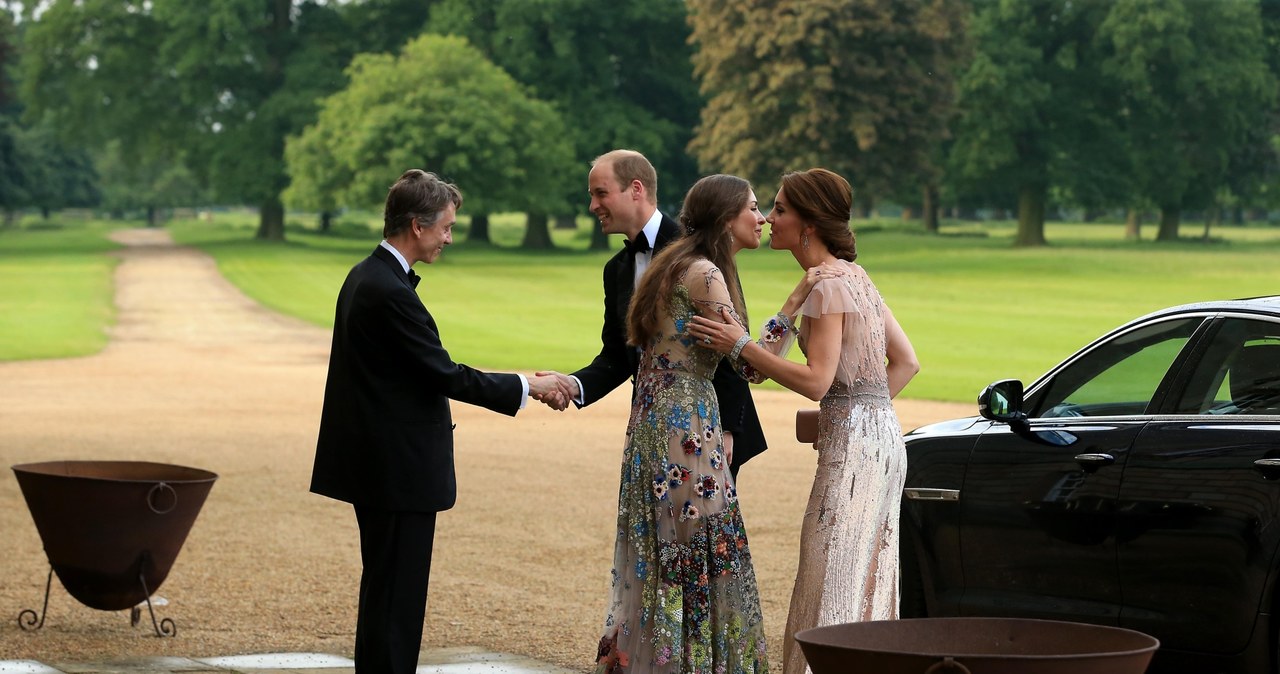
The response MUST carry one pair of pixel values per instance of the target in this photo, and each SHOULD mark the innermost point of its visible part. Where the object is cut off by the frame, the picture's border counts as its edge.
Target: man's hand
(547, 389)
(568, 385)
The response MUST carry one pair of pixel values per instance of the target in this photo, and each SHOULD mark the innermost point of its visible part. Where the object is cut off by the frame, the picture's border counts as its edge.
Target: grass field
(55, 290)
(976, 308)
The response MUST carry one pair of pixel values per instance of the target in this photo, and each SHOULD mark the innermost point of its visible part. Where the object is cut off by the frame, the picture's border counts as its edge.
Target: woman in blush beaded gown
(857, 359)
(683, 597)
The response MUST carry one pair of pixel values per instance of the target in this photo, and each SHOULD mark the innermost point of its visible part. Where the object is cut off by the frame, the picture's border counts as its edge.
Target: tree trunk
(153, 216)
(326, 221)
(599, 240)
(1031, 200)
(867, 206)
(271, 220)
(1169, 220)
(1212, 217)
(566, 221)
(1133, 225)
(907, 213)
(479, 232)
(930, 208)
(271, 210)
(537, 235)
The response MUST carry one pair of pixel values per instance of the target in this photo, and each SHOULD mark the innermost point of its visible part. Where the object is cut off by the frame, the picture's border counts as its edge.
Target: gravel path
(199, 375)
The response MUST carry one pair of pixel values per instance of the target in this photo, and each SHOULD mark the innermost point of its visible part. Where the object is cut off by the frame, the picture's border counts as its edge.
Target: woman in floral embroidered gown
(857, 359)
(683, 596)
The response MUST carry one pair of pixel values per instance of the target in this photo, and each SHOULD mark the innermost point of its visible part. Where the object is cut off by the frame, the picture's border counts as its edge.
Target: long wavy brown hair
(708, 207)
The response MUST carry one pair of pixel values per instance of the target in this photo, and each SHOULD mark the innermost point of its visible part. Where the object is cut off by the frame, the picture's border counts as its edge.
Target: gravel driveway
(199, 375)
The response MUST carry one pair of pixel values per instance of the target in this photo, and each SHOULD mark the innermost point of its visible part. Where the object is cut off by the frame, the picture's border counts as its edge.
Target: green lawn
(55, 289)
(976, 309)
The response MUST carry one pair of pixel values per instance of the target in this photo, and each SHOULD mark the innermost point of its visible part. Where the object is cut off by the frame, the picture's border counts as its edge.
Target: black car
(1136, 484)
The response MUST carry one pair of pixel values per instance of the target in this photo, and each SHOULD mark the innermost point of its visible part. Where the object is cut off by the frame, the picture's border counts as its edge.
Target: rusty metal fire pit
(111, 529)
(975, 646)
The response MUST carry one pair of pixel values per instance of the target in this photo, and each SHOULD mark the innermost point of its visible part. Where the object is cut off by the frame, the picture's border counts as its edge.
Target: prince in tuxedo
(386, 434)
(624, 196)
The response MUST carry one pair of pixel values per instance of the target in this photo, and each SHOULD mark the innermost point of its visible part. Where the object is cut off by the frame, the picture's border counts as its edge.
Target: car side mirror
(1002, 401)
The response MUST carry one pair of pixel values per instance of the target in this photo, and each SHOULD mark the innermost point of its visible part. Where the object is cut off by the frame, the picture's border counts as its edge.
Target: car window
(1238, 373)
(1118, 377)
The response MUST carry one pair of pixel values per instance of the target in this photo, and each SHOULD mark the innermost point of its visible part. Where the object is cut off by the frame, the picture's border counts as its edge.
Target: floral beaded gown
(683, 597)
(848, 569)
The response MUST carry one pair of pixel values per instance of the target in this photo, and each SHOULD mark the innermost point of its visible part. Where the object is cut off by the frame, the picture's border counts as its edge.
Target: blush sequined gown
(848, 570)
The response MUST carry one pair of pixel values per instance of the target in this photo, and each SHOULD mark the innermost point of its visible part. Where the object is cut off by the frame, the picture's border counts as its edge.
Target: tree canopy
(439, 105)
(862, 87)
(618, 74)
(219, 83)
(1195, 82)
(1029, 104)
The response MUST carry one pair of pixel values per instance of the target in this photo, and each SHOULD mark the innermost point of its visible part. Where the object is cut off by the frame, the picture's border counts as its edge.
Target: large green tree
(1255, 170)
(618, 73)
(56, 176)
(863, 87)
(221, 83)
(1035, 111)
(1196, 85)
(13, 183)
(37, 170)
(438, 105)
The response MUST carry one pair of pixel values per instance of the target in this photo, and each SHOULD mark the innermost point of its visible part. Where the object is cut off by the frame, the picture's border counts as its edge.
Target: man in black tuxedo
(386, 433)
(624, 198)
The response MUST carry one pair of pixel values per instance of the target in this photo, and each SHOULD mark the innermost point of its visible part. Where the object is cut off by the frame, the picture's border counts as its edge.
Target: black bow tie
(639, 245)
(414, 278)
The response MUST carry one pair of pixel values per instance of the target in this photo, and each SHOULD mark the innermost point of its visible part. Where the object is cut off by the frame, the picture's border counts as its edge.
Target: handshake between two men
(555, 390)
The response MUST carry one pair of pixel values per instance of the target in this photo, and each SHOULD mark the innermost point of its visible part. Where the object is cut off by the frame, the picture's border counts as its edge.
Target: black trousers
(395, 550)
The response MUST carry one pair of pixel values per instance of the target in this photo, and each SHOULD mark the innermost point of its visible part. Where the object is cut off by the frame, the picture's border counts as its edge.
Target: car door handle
(923, 494)
(1270, 468)
(1091, 462)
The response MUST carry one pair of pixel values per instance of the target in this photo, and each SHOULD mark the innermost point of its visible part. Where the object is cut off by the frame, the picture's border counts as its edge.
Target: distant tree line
(1023, 106)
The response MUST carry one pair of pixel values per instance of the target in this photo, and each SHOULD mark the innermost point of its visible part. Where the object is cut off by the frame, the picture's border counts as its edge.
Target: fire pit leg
(28, 619)
(164, 628)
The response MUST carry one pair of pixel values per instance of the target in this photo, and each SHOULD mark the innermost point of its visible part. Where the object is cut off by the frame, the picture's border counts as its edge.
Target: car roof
(1266, 304)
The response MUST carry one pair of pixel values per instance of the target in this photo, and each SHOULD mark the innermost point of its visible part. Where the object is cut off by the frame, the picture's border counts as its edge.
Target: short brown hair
(630, 165)
(419, 194)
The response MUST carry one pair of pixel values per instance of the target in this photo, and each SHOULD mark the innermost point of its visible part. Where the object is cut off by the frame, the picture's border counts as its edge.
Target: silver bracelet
(737, 346)
(786, 322)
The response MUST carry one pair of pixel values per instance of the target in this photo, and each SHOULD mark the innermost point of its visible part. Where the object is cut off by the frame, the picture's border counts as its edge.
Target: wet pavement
(461, 660)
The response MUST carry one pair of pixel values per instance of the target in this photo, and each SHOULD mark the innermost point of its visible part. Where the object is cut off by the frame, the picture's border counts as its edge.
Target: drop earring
(804, 241)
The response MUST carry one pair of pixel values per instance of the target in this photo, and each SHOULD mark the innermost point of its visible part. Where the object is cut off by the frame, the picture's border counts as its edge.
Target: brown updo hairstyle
(824, 199)
(704, 219)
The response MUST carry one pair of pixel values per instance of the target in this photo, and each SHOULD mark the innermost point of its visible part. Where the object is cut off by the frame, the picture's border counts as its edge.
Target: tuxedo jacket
(617, 361)
(386, 433)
